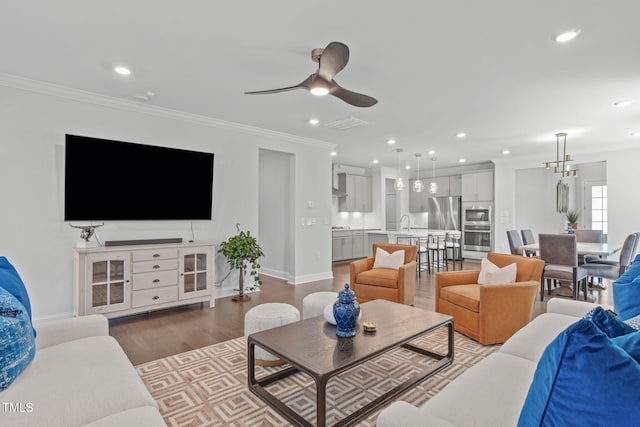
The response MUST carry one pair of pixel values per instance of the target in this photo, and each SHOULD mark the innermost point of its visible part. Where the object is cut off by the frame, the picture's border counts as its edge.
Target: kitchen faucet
(408, 227)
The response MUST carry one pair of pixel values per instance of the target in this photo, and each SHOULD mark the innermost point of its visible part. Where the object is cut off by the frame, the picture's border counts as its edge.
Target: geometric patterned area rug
(208, 386)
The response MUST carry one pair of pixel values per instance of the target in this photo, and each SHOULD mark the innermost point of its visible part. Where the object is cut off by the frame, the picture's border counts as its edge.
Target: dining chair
(560, 254)
(515, 242)
(588, 236)
(528, 237)
(612, 269)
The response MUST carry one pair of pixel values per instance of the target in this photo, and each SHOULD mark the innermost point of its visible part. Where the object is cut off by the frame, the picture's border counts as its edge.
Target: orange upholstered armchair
(492, 313)
(399, 285)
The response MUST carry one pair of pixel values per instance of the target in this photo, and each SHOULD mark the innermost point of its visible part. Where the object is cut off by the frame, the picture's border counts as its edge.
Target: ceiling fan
(331, 60)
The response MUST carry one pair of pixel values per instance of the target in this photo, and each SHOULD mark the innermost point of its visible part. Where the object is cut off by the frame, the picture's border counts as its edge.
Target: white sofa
(492, 392)
(79, 377)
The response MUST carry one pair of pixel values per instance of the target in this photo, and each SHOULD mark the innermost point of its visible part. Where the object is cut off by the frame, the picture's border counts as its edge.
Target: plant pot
(573, 225)
(241, 298)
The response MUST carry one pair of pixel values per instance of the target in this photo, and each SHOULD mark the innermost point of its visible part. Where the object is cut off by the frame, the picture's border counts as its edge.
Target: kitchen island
(392, 236)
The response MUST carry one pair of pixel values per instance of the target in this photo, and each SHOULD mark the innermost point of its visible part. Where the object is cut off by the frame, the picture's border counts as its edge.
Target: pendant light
(433, 186)
(398, 185)
(418, 186)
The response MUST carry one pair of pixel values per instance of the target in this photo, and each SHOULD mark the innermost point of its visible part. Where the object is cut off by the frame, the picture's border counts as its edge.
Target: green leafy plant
(572, 216)
(242, 253)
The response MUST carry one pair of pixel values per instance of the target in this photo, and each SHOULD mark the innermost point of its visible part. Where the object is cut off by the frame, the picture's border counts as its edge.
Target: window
(599, 208)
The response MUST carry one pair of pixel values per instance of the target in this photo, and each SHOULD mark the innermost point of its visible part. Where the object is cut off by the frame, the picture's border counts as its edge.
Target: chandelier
(398, 185)
(560, 164)
(433, 186)
(418, 186)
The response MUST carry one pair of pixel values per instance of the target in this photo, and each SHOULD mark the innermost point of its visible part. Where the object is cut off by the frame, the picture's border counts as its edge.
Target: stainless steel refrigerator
(444, 213)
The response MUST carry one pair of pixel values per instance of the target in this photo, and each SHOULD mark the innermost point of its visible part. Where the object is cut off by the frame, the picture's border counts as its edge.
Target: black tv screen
(115, 181)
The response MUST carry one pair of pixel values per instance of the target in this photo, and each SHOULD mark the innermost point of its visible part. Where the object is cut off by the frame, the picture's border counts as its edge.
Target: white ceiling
(487, 68)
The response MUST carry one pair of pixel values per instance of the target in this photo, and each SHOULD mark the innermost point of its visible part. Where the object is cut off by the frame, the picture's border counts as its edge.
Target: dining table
(584, 248)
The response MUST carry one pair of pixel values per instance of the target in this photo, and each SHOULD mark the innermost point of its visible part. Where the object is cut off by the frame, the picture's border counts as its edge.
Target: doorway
(275, 213)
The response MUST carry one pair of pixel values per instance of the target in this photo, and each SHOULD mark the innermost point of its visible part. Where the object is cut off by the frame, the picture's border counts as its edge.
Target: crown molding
(78, 95)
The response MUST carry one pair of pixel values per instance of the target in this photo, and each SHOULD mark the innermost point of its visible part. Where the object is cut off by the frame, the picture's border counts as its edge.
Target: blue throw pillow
(626, 292)
(608, 323)
(17, 344)
(574, 371)
(630, 343)
(10, 280)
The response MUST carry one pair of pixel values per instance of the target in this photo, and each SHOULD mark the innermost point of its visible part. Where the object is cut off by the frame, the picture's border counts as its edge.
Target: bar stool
(437, 251)
(422, 258)
(452, 243)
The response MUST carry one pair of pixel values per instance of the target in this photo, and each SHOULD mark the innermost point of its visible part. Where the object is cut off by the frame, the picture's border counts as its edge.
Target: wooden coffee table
(311, 346)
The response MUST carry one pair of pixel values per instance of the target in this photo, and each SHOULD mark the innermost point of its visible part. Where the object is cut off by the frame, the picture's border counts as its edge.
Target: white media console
(123, 280)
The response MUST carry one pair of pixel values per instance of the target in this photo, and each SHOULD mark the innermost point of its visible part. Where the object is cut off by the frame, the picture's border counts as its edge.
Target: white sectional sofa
(492, 392)
(79, 377)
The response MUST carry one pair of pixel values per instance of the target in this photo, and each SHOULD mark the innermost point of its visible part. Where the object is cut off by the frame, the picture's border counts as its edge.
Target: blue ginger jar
(346, 311)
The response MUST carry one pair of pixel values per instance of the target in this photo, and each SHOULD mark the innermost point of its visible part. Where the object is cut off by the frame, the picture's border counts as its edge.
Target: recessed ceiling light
(635, 134)
(462, 160)
(460, 135)
(391, 141)
(124, 71)
(624, 103)
(432, 152)
(375, 161)
(566, 36)
(314, 121)
(333, 153)
(407, 167)
(505, 152)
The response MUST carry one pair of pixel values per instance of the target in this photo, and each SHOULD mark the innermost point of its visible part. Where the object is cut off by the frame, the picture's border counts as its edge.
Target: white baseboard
(278, 274)
(306, 278)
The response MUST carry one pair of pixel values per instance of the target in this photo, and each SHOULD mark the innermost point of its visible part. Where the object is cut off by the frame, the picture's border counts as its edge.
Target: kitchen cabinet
(418, 201)
(455, 185)
(359, 249)
(477, 187)
(443, 186)
(447, 186)
(342, 245)
(358, 192)
(350, 244)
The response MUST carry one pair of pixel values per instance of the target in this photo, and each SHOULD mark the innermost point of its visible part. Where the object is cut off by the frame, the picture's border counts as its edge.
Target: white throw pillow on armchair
(385, 259)
(492, 274)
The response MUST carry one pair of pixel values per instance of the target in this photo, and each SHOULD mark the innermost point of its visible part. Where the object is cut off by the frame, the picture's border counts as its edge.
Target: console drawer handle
(155, 298)
(156, 280)
(156, 255)
(156, 266)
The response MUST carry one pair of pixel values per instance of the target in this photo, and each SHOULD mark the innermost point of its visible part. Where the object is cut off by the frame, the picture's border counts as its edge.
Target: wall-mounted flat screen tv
(116, 181)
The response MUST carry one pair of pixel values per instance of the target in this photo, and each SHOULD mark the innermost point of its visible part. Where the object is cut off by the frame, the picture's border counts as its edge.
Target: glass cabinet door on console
(107, 277)
(195, 272)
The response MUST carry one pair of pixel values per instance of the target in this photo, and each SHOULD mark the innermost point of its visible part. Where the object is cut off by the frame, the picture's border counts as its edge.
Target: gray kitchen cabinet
(358, 192)
(455, 185)
(359, 250)
(418, 201)
(342, 245)
(443, 186)
(477, 186)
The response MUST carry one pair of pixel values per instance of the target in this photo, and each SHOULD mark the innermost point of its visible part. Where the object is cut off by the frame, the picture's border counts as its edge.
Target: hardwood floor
(163, 333)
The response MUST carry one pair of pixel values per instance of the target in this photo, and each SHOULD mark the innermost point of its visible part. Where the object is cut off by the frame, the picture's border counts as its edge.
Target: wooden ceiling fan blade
(333, 59)
(353, 98)
(306, 84)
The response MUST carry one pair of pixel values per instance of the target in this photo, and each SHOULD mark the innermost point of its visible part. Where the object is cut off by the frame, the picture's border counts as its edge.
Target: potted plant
(242, 252)
(572, 217)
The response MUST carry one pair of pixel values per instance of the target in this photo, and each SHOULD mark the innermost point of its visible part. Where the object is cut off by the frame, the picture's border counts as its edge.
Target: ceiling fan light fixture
(319, 86)
(319, 91)
(566, 36)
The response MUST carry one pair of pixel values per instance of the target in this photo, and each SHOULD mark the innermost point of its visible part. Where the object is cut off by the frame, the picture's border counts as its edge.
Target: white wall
(34, 236)
(519, 192)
